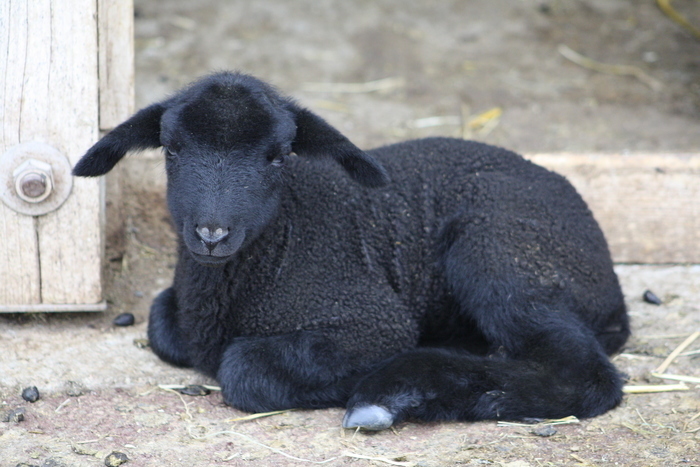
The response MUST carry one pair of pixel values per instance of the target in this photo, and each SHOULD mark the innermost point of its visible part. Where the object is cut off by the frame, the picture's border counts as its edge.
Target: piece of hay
(188, 414)
(609, 69)
(665, 6)
(62, 404)
(331, 105)
(652, 388)
(638, 430)
(378, 459)
(558, 421)
(429, 122)
(631, 356)
(177, 387)
(483, 124)
(687, 424)
(255, 416)
(580, 459)
(485, 118)
(666, 363)
(379, 85)
(685, 379)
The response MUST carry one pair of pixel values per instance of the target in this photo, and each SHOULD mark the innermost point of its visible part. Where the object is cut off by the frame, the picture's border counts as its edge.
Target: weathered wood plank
(48, 60)
(19, 259)
(19, 256)
(116, 71)
(51, 308)
(648, 205)
(70, 239)
(116, 61)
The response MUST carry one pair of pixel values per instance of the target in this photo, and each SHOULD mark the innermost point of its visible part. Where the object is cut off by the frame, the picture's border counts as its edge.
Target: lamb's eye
(279, 161)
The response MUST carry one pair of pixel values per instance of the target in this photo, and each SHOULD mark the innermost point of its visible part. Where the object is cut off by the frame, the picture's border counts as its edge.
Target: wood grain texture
(70, 239)
(19, 259)
(19, 254)
(648, 205)
(116, 61)
(48, 60)
(116, 71)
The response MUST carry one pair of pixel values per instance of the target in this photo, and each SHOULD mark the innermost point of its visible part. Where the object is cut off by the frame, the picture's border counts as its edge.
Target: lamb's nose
(212, 236)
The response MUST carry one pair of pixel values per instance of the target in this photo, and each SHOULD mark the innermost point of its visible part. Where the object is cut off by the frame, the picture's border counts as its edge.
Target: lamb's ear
(141, 131)
(316, 138)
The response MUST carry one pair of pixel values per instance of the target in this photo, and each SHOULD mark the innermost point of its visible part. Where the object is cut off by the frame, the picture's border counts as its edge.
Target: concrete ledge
(647, 204)
(54, 308)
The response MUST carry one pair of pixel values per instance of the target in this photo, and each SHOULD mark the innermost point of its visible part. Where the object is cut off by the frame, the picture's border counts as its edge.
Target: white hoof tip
(368, 417)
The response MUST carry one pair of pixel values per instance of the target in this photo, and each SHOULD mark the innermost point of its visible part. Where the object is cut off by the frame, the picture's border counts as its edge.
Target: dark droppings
(75, 389)
(650, 297)
(544, 431)
(115, 459)
(195, 390)
(125, 319)
(16, 415)
(30, 394)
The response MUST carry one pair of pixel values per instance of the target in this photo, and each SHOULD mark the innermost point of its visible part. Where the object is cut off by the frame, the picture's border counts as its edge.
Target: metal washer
(62, 177)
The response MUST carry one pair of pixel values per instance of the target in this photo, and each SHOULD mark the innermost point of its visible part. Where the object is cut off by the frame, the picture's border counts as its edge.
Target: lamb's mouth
(211, 260)
(218, 253)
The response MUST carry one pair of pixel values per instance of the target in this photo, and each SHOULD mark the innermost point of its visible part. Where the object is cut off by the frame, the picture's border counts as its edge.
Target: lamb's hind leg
(163, 333)
(547, 361)
(556, 376)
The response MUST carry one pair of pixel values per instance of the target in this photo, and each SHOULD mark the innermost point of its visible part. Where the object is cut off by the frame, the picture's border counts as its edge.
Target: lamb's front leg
(163, 330)
(303, 369)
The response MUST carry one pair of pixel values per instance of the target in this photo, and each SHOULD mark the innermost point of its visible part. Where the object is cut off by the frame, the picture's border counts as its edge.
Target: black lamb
(442, 279)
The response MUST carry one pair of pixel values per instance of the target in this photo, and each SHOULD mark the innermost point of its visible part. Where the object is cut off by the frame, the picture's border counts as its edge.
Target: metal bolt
(33, 180)
(33, 185)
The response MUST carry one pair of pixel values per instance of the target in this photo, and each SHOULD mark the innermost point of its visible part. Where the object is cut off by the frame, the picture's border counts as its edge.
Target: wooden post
(116, 70)
(52, 77)
(116, 61)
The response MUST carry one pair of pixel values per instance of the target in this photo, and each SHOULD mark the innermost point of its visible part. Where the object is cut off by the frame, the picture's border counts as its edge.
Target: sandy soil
(454, 60)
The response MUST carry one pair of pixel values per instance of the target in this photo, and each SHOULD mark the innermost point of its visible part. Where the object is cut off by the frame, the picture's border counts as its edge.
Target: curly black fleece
(469, 284)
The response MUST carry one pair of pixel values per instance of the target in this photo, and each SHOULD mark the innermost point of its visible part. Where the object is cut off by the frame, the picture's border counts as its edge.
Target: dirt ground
(410, 62)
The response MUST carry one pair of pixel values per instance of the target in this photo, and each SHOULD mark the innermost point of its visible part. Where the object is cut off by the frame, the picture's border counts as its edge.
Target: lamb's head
(227, 139)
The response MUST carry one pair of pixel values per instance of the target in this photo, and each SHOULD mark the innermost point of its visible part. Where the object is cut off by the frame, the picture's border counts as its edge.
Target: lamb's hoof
(368, 417)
